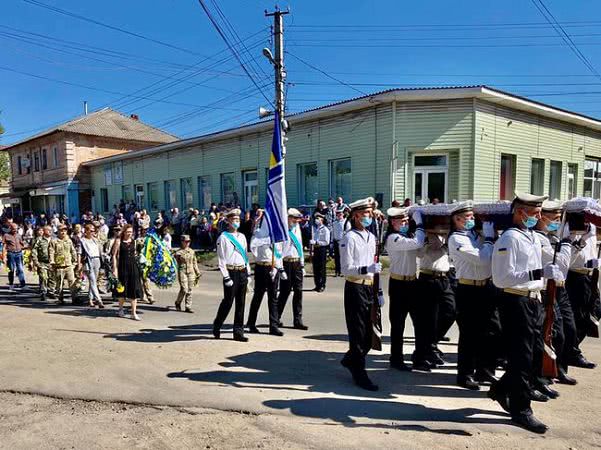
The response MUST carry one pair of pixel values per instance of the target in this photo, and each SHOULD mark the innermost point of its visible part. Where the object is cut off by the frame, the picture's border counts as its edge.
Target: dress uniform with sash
(357, 256)
(321, 244)
(435, 293)
(188, 275)
(294, 266)
(268, 270)
(475, 299)
(517, 271)
(235, 269)
(41, 261)
(63, 258)
(402, 290)
(580, 290)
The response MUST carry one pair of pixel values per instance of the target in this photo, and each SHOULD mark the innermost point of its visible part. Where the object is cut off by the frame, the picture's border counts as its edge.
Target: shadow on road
(174, 333)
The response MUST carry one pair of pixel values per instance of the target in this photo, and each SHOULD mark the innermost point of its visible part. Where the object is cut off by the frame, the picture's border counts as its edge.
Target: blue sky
(168, 81)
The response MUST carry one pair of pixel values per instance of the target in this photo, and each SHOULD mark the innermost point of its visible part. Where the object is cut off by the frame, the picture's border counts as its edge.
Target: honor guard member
(339, 227)
(63, 259)
(475, 298)
(233, 264)
(517, 271)
(41, 260)
(402, 248)
(435, 294)
(581, 291)
(357, 256)
(146, 288)
(188, 274)
(565, 341)
(321, 244)
(268, 272)
(294, 266)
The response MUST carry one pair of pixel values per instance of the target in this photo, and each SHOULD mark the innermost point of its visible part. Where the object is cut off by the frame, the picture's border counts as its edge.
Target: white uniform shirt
(339, 229)
(434, 255)
(402, 251)
(262, 248)
(357, 252)
(470, 255)
(588, 252)
(516, 254)
(288, 247)
(228, 254)
(564, 255)
(321, 236)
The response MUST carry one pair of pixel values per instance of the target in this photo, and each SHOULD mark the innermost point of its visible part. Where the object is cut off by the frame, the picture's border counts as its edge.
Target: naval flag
(276, 205)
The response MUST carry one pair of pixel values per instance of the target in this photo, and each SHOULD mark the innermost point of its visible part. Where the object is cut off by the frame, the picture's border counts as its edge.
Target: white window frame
(426, 170)
(331, 175)
(250, 184)
(300, 173)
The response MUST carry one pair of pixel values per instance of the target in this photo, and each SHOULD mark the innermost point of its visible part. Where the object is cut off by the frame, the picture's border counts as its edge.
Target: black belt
(20, 251)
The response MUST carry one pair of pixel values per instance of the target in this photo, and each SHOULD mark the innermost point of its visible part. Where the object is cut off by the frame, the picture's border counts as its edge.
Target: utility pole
(278, 65)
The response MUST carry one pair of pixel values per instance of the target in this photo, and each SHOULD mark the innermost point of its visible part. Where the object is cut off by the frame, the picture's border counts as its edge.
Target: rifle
(549, 368)
(376, 312)
(593, 329)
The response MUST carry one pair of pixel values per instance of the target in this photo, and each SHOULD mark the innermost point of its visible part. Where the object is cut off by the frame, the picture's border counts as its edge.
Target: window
(537, 177)
(592, 178)
(118, 172)
(340, 178)
(572, 185)
(251, 188)
(139, 195)
(187, 196)
(170, 194)
(54, 157)
(204, 192)
(104, 200)
(308, 187)
(19, 165)
(27, 163)
(108, 175)
(507, 181)
(430, 177)
(44, 159)
(126, 193)
(153, 196)
(36, 162)
(228, 184)
(555, 180)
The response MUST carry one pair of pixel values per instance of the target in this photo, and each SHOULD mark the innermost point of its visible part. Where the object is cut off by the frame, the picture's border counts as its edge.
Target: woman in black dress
(125, 268)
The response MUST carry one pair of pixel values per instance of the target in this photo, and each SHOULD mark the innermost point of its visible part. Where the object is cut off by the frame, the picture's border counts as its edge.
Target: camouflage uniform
(63, 259)
(188, 274)
(41, 262)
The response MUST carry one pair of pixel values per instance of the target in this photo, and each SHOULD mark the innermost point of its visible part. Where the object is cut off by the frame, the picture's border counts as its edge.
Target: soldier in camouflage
(64, 259)
(188, 274)
(41, 260)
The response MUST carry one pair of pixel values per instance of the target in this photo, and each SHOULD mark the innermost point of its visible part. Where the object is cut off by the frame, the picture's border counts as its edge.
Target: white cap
(394, 213)
(233, 213)
(293, 212)
(364, 203)
(524, 198)
(460, 207)
(552, 206)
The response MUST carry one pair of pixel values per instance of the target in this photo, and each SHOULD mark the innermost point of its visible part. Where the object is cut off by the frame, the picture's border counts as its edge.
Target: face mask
(293, 226)
(366, 221)
(404, 229)
(530, 222)
(236, 225)
(553, 226)
(469, 224)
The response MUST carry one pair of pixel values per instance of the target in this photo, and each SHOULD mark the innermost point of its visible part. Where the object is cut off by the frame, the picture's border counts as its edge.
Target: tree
(4, 162)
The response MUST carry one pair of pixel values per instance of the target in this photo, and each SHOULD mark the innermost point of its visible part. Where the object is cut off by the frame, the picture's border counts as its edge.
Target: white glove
(488, 229)
(375, 268)
(228, 282)
(381, 300)
(304, 273)
(552, 272)
(417, 217)
(312, 242)
(249, 284)
(284, 275)
(273, 273)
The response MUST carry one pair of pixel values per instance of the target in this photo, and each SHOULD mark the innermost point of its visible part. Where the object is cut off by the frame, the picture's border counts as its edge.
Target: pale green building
(446, 143)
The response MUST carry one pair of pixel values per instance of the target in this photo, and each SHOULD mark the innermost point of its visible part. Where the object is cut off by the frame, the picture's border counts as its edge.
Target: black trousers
(479, 328)
(264, 283)
(570, 347)
(320, 255)
(294, 283)
(519, 318)
(236, 293)
(580, 292)
(358, 300)
(337, 258)
(539, 345)
(436, 308)
(403, 298)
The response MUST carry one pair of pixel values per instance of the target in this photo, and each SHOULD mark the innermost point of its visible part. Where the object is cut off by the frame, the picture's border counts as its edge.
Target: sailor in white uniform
(321, 244)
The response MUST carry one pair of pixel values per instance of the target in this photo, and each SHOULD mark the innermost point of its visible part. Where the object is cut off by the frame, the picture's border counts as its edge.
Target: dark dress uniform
(321, 245)
(294, 266)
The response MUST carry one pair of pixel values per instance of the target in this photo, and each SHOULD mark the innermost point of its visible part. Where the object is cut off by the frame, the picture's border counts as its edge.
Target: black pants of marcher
(570, 348)
(320, 255)
(231, 294)
(337, 258)
(264, 283)
(436, 306)
(427, 295)
(294, 283)
(402, 301)
(479, 328)
(519, 316)
(358, 300)
(580, 292)
(539, 344)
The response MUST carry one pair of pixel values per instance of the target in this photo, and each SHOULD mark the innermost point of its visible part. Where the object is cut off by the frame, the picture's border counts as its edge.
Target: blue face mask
(404, 229)
(469, 224)
(366, 221)
(553, 226)
(530, 222)
(236, 225)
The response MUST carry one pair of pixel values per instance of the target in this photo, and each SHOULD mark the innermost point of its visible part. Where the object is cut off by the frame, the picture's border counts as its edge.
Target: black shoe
(240, 338)
(421, 366)
(437, 360)
(502, 400)
(485, 377)
(530, 423)
(51, 296)
(178, 307)
(43, 297)
(538, 396)
(362, 380)
(216, 332)
(322, 289)
(445, 339)
(546, 390)
(564, 378)
(301, 326)
(280, 324)
(275, 332)
(468, 382)
(400, 365)
(582, 362)
(253, 330)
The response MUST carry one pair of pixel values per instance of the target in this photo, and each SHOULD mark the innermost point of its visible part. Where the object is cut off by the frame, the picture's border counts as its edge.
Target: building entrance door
(430, 178)
(251, 188)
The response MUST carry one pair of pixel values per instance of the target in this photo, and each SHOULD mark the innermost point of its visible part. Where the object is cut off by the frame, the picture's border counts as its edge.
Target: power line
(328, 44)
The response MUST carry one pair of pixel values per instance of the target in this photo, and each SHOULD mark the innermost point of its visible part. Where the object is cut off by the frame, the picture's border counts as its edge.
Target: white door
(430, 178)
(251, 188)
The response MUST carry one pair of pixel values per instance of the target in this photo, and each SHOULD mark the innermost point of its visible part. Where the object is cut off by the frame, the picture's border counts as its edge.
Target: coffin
(581, 211)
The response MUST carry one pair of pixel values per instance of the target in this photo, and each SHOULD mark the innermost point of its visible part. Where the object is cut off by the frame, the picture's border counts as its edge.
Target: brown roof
(108, 123)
